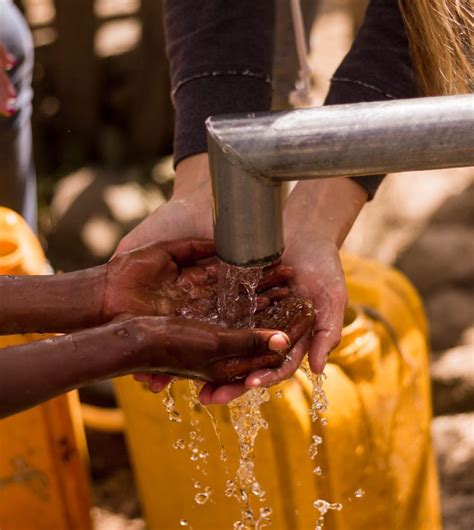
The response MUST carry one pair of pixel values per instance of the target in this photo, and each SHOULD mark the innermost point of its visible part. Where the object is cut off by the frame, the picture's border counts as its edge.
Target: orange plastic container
(43, 480)
(377, 438)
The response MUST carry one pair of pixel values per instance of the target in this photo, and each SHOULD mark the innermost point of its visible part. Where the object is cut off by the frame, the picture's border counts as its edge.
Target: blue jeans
(17, 172)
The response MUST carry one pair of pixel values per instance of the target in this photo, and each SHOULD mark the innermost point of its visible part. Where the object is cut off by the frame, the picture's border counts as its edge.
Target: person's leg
(17, 173)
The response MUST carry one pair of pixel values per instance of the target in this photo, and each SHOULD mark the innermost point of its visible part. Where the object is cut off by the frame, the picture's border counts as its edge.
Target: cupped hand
(7, 90)
(312, 249)
(194, 295)
(293, 315)
(318, 216)
(320, 278)
(199, 350)
(134, 278)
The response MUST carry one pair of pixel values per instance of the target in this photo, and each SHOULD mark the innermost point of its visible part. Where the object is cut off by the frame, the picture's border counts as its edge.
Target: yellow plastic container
(377, 438)
(43, 481)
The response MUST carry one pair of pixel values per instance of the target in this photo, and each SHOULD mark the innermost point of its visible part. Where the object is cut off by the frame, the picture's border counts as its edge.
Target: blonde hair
(441, 42)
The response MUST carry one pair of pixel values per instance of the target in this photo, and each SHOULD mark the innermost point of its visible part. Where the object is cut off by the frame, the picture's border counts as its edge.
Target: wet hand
(134, 278)
(194, 295)
(318, 216)
(7, 90)
(198, 350)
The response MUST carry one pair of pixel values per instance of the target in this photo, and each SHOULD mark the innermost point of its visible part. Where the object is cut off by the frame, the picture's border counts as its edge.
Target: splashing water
(223, 453)
(323, 508)
(170, 405)
(197, 455)
(245, 413)
(231, 280)
(247, 420)
(318, 407)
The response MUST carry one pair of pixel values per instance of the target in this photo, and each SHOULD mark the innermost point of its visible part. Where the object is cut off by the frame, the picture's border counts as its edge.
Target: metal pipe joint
(251, 155)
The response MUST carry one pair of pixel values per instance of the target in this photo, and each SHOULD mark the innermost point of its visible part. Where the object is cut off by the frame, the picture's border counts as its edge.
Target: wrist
(88, 291)
(192, 174)
(150, 334)
(323, 209)
(57, 303)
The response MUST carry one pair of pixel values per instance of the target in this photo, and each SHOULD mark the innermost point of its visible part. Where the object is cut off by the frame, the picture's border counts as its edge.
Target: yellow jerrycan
(43, 481)
(375, 459)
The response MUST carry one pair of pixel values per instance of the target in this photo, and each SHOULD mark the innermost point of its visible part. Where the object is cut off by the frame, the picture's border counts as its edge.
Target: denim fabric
(17, 172)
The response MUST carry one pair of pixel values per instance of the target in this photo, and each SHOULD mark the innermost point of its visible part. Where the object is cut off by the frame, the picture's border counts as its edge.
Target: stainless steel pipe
(250, 155)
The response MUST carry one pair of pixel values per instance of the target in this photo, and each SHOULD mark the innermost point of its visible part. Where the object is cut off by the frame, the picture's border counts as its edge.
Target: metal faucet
(252, 154)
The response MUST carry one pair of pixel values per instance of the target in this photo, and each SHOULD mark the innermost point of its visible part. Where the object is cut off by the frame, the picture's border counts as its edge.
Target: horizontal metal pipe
(350, 140)
(250, 155)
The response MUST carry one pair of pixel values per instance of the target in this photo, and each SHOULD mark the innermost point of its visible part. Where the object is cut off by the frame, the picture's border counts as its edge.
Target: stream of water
(246, 416)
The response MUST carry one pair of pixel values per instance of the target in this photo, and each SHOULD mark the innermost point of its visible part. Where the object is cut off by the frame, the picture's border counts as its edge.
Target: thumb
(251, 342)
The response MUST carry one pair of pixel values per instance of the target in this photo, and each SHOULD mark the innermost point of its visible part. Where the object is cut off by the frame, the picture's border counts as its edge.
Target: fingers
(251, 342)
(7, 90)
(186, 251)
(301, 323)
(199, 275)
(276, 293)
(7, 61)
(221, 395)
(159, 382)
(155, 383)
(289, 366)
(326, 332)
(7, 95)
(149, 266)
(274, 276)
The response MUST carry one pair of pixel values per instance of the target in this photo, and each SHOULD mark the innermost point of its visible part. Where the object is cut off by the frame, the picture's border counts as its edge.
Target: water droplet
(359, 493)
(257, 490)
(238, 525)
(183, 522)
(122, 333)
(321, 505)
(169, 404)
(265, 512)
(202, 497)
(197, 484)
(324, 422)
(179, 444)
(279, 394)
(248, 516)
(324, 506)
(318, 471)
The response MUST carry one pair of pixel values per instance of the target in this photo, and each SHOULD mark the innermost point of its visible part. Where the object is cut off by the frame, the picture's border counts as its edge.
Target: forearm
(220, 57)
(35, 372)
(57, 303)
(323, 209)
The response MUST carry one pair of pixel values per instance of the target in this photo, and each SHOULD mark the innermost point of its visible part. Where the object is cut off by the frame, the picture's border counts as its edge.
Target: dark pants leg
(17, 172)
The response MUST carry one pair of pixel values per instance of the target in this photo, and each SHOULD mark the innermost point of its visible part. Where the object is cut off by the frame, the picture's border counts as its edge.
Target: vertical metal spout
(248, 226)
(250, 155)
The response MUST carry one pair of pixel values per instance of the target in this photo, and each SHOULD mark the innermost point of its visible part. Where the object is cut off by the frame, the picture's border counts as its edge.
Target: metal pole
(350, 140)
(259, 151)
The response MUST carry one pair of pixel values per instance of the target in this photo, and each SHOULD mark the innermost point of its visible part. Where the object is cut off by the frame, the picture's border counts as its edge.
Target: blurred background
(103, 127)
